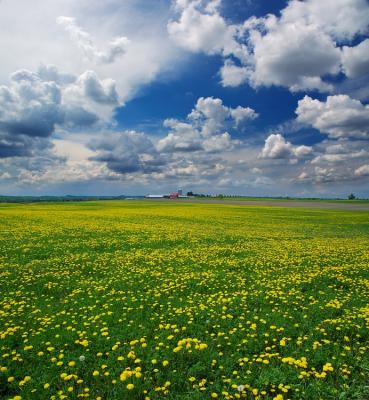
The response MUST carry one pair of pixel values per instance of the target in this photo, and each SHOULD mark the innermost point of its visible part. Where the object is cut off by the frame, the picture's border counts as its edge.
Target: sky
(243, 97)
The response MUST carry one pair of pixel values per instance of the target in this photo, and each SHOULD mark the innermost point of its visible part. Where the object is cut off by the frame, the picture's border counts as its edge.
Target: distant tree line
(39, 199)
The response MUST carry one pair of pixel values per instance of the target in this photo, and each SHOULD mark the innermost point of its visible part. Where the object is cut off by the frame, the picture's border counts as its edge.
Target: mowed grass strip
(143, 300)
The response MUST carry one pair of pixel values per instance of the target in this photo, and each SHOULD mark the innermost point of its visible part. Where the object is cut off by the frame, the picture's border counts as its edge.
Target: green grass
(183, 301)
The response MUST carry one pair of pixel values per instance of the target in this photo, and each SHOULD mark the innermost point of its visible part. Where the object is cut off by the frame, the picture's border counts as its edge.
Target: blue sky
(175, 98)
(217, 96)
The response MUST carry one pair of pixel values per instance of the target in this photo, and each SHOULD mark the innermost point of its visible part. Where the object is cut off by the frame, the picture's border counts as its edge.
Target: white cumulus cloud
(233, 75)
(355, 60)
(115, 48)
(362, 171)
(206, 127)
(339, 116)
(276, 147)
(299, 49)
(201, 28)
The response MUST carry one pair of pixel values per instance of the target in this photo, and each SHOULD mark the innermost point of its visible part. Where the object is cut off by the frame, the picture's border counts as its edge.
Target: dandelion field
(145, 300)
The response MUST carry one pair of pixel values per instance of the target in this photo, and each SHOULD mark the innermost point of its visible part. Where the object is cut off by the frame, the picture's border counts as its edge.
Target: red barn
(174, 195)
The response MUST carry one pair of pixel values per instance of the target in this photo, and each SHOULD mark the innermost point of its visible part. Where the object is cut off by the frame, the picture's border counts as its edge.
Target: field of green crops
(144, 300)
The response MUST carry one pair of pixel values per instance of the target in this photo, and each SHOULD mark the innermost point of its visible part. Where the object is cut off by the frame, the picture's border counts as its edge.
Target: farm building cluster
(173, 195)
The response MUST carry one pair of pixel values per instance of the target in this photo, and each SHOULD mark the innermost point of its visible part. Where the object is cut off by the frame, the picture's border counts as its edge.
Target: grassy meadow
(142, 300)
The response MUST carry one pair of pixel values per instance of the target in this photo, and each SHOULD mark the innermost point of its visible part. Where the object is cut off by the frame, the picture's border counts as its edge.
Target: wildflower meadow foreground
(164, 300)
